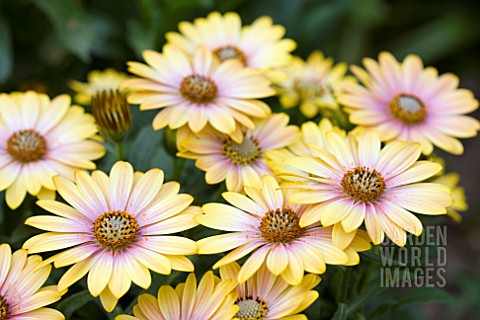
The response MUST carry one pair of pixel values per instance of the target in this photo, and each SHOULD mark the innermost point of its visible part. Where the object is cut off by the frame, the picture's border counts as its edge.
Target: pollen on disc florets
(251, 309)
(244, 153)
(26, 145)
(4, 308)
(408, 108)
(230, 52)
(281, 226)
(115, 230)
(363, 184)
(198, 89)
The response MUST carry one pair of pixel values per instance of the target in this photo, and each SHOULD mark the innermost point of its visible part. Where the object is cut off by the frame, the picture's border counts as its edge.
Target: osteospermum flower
(259, 45)
(118, 227)
(198, 90)
(266, 296)
(266, 224)
(355, 181)
(39, 139)
(20, 280)
(310, 133)
(311, 83)
(404, 101)
(97, 82)
(242, 163)
(213, 299)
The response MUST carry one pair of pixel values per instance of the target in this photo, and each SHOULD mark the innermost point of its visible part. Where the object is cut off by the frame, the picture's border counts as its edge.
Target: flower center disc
(230, 52)
(363, 184)
(244, 153)
(198, 89)
(26, 145)
(408, 109)
(3, 308)
(251, 309)
(115, 230)
(281, 226)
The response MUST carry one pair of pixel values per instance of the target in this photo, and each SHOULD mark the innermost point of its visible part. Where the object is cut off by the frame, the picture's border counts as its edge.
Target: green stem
(343, 294)
(119, 148)
(178, 167)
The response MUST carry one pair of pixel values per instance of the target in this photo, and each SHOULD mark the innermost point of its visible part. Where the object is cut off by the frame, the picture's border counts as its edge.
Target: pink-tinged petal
(166, 207)
(396, 157)
(355, 219)
(368, 148)
(38, 300)
(312, 214)
(335, 211)
(256, 195)
(373, 227)
(457, 126)
(401, 217)
(339, 148)
(152, 260)
(51, 241)
(136, 271)
(293, 274)
(169, 245)
(240, 201)
(100, 274)
(145, 191)
(253, 263)
(425, 198)
(57, 224)
(52, 115)
(181, 263)
(202, 61)
(223, 242)
(5, 260)
(69, 191)
(391, 229)
(76, 254)
(91, 191)
(313, 197)
(311, 257)
(184, 221)
(412, 68)
(119, 282)
(148, 304)
(63, 210)
(169, 302)
(75, 273)
(419, 171)
(273, 195)
(121, 181)
(224, 217)
(239, 253)
(277, 260)
(340, 237)
(444, 141)
(9, 174)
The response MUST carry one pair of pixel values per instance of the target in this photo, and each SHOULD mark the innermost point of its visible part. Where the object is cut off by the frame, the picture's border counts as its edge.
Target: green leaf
(425, 294)
(341, 313)
(6, 53)
(69, 305)
(72, 25)
(382, 261)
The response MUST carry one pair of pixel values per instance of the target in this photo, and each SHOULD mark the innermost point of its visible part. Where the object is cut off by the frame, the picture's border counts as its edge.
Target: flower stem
(119, 148)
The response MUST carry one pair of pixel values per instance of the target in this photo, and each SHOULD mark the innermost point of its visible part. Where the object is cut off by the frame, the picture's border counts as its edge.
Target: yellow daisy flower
(242, 163)
(213, 299)
(458, 194)
(41, 138)
(354, 180)
(20, 280)
(117, 229)
(97, 81)
(266, 296)
(310, 133)
(198, 90)
(259, 45)
(404, 101)
(266, 224)
(311, 84)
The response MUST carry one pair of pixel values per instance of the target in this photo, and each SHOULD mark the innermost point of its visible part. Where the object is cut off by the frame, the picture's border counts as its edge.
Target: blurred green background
(45, 43)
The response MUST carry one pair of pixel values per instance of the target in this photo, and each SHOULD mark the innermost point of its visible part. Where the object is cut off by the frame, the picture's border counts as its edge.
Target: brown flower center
(26, 145)
(3, 308)
(198, 89)
(281, 226)
(407, 108)
(115, 230)
(363, 184)
(230, 52)
(244, 153)
(251, 309)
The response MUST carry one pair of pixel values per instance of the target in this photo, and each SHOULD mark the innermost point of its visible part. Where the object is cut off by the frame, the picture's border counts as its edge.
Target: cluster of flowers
(297, 200)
